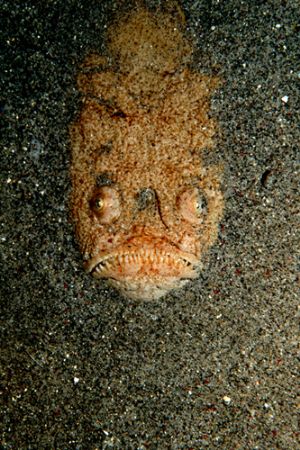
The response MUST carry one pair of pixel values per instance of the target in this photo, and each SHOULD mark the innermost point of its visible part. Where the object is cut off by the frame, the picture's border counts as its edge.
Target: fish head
(145, 208)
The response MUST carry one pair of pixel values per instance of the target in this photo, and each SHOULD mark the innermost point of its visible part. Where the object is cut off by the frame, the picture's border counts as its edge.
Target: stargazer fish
(145, 207)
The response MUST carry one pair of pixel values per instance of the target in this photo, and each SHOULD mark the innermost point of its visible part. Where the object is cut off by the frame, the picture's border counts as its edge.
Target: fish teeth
(141, 257)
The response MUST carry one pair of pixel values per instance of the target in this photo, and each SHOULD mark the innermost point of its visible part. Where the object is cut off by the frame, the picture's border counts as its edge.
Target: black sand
(213, 366)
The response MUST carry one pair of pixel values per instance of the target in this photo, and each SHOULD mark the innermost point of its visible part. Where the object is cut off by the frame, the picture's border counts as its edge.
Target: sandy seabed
(215, 365)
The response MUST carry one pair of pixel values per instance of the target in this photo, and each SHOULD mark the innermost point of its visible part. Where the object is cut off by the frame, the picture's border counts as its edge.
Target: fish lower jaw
(147, 289)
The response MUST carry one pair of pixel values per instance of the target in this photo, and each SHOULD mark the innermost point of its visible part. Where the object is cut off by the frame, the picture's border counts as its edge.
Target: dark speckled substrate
(213, 366)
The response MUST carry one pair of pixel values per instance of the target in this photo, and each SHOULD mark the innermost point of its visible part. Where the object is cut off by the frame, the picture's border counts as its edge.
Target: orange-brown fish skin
(145, 207)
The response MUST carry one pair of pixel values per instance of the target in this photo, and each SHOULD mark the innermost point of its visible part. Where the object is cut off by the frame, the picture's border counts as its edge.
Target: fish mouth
(144, 267)
(150, 264)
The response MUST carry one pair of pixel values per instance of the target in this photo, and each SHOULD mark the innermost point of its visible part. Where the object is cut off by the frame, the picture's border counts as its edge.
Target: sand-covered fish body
(145, 208)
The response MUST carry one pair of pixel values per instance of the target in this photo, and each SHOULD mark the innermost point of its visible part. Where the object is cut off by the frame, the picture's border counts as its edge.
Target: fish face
(154, 250)
(145, 207)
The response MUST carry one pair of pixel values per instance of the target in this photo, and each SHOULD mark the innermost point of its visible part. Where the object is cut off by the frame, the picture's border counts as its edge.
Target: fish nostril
(104, 179)
(146, 198)
(148, 201)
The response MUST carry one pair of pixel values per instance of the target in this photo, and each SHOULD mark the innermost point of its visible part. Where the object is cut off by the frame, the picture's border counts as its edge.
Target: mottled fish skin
(145, 207)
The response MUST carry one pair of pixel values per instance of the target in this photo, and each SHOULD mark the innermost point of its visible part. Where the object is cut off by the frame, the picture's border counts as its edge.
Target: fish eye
(105, 204)
(97, 204)
(192, 205)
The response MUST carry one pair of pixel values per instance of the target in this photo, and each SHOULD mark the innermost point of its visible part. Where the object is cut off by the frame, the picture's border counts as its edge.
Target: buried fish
(145, 207)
